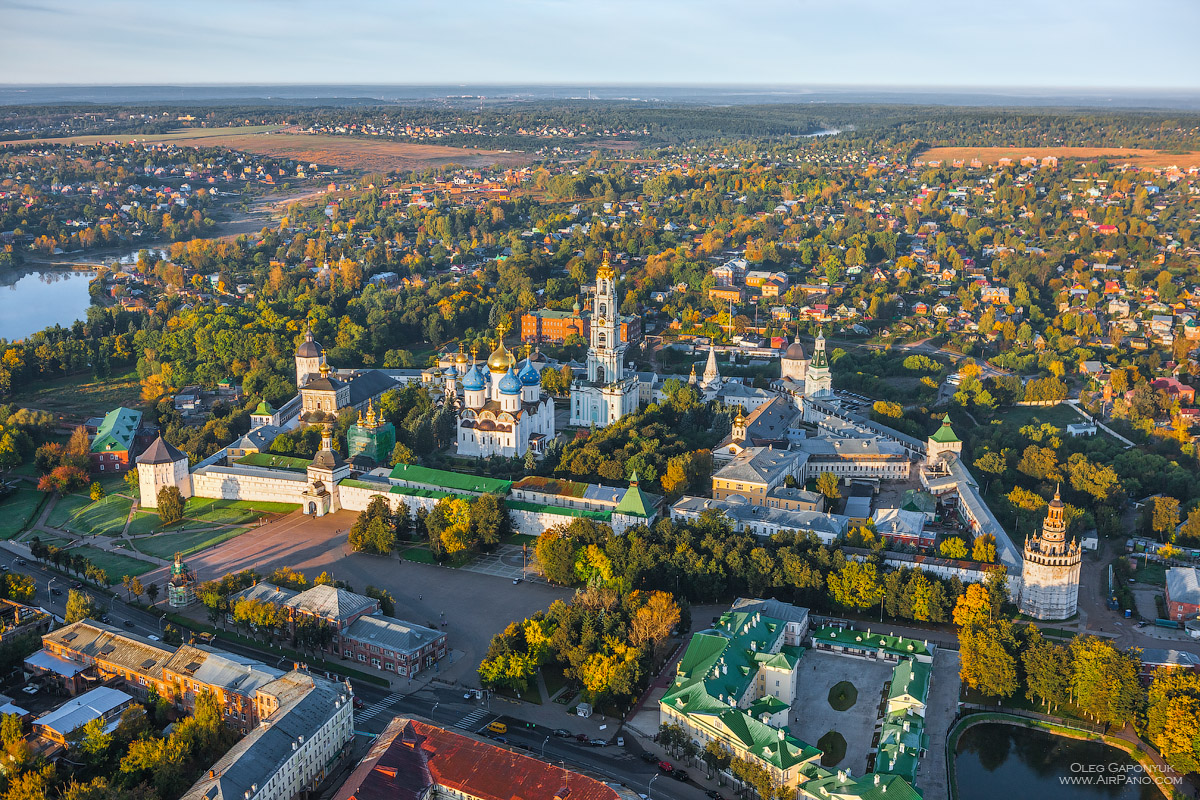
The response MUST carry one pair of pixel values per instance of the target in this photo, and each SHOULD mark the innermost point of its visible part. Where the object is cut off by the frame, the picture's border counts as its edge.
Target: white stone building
(1050, 577)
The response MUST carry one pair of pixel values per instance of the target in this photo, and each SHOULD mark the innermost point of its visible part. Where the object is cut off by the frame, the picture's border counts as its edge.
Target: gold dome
(461, 358)
(500, 360)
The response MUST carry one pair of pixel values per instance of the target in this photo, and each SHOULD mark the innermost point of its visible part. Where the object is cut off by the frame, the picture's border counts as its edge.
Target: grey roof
(258, 439)
(968, 495)
(266, 592)
(824, 524)
(51, 663)
(858, 507)
(772, 608)
(307, 704)
(1173, 658)
(841, 448)
(795, 493)
(771, 421)
(79, 711)
(369, 383)
(1183, 585)
(331, 602)
(159, 452)
(762, 465)
(898, 522)
(231, 672)
(105, 643)
(393, 634)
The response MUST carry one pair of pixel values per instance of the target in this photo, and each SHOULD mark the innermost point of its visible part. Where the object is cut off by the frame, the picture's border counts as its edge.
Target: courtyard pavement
(940, 709)
(812, 717)
(474, 606)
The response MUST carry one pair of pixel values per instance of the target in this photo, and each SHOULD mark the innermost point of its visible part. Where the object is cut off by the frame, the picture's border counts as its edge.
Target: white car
(153, 638)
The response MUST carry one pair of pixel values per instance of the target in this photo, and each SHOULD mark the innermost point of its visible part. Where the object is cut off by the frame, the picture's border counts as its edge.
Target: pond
(1002, 762)
(31, 300)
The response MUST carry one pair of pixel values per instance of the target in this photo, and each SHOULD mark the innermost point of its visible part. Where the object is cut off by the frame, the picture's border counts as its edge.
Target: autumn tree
(827, 484)
(1104, 681)
(984, 548)
(655, 620)
(79, 606)
(1047, 669)
(1164, 516)
(953, 547)
(987, 657)
(1173, 718)
(856, 585)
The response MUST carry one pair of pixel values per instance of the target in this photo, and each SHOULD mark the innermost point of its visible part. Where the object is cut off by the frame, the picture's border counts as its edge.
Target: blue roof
(509, 383)
(474, 380)
(529, 376)
(451, 372)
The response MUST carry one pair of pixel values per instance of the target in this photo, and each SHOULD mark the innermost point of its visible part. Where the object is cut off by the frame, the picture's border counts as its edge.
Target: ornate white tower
(793, 364)
(712, 375)
(1050, 577)
(607, 351)
(607, 393)
(161, 465)
(818, 382)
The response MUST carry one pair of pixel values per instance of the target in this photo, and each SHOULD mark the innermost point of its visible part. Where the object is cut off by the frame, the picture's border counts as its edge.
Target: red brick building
(548, 325)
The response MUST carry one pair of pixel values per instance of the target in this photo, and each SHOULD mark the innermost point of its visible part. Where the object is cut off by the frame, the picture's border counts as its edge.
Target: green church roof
(945, 434)
(264, 409)
(635, 503)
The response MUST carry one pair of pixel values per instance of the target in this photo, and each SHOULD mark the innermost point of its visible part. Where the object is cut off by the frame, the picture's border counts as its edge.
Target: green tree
(856, 585)
(79, 606)
(1047, 669)
(489, 520)
(953, 547)
(1173, 718)
(987, 660)
(1104, 681)
(170, 505)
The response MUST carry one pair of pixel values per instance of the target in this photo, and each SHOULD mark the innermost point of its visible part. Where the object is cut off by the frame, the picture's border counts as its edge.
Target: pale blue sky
(1028, 43)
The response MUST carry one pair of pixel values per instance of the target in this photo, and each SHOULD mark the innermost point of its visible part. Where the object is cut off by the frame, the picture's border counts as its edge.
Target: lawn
(67, 507)
(1151, 572)
(167, 545)
(833, 749)
(843, 696)
(44, 538)
(1059, 416)
(233, 512)
(81, 395)
(17, 511)
(115, 564)
(105, 517)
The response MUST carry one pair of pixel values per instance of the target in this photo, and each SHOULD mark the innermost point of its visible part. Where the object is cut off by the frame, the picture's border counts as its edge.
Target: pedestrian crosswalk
(375, 708)
(471, 721)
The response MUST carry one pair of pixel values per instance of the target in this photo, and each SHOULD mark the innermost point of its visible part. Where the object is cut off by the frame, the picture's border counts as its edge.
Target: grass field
(44, 538)
(1059, 416)
(167, 545)
(17, 511)
(114, 564)
(992, 155)
(105, 517)
(1151, 572)
(339, 151)
(67, 507)
(233, 512)
(82, 397)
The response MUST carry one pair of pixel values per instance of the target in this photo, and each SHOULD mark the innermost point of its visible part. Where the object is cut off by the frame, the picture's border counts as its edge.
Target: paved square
(812, 717)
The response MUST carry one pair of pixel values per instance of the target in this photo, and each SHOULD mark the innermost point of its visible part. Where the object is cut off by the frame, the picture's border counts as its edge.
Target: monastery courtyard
(476, 604)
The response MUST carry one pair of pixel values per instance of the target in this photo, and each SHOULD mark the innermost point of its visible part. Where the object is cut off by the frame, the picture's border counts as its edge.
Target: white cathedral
(503, 410)
(608, 393)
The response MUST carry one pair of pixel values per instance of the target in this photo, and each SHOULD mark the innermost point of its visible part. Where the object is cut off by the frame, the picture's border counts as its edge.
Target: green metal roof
(827, 784)
(449, 481)
(275, 461)
(117, 430)
(945, 434)
(910, 679)
(635, 502)
(864, 640)
(264, 409)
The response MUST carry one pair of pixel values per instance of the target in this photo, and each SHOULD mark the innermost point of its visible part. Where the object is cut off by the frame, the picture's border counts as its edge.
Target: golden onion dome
(500, 360)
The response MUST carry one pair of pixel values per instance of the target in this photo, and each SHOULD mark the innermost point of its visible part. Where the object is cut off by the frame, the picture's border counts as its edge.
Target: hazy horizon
(1081, 44)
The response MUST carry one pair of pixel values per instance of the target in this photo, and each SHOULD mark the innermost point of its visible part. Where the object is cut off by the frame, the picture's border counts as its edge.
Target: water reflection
(1002, 762)
(31, 300)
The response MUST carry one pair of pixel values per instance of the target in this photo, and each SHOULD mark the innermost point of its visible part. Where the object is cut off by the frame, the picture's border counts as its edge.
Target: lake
(31, 300)
(1002, 762)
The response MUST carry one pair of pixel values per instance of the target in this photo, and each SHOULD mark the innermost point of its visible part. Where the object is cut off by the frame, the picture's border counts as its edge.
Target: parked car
(581, 737)
(562, 733)
(56, 592)
(76, 585)
(598, 742)
(21, 561)
(713, 794)
(679, 775)
(516, 581)
(648, 757)
(358, 703)
(620, 741)
(665, 766)
(500, 739)
(128, 623)
(153, 638)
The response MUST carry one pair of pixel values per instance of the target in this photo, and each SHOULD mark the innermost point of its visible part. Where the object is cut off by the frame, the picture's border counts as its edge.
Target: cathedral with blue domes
(503, 410)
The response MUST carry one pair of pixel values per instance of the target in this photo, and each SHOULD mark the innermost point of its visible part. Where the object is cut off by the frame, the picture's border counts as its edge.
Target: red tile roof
(410, 757)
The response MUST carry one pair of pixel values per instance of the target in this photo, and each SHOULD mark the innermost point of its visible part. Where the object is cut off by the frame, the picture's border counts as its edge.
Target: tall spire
(371, 421)
(711, 373)
(820, 359)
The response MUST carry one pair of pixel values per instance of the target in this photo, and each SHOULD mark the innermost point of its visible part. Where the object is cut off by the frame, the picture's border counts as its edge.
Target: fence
(1077, 724)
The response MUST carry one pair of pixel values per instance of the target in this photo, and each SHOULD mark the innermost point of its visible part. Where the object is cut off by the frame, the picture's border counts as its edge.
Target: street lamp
(161, 623)
(50, 594)
(651, 783)
(547, 739)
